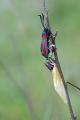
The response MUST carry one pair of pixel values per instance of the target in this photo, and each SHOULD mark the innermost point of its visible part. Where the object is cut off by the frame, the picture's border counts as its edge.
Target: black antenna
(42, 19)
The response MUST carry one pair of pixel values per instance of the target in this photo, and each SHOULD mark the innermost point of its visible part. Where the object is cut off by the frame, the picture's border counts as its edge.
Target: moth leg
(54, 35)
(52, 60)
(49, 64)
(53, 41)
(52, 46)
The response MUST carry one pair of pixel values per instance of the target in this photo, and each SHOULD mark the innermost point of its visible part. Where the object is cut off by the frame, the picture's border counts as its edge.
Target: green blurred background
(26, 90)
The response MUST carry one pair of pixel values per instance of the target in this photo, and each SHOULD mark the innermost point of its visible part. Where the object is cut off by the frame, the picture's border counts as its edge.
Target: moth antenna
(42, 19)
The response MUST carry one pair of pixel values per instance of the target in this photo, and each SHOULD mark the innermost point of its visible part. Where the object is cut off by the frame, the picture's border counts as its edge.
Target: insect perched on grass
(47, 51)
(47, 45)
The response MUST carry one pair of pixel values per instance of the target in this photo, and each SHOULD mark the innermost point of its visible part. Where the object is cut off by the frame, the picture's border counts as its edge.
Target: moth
(47, 50)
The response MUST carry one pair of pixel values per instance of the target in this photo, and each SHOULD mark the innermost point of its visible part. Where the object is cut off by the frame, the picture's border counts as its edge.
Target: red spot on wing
(43, 50)
(44, 36)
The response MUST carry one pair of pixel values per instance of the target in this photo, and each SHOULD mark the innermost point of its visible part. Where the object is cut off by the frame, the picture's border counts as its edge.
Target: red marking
(43, 49)
(44, 36)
